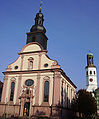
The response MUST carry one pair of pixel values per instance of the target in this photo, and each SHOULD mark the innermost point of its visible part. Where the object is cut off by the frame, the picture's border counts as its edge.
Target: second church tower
(91, 74)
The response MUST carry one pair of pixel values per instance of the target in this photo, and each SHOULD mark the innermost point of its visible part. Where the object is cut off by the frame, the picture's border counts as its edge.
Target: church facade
(35, 85)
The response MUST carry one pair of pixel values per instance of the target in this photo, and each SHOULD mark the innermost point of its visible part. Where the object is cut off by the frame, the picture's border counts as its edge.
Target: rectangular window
(46, 91)
(12, 91)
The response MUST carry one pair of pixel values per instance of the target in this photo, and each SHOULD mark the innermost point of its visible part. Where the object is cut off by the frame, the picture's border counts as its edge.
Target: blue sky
(72, 29)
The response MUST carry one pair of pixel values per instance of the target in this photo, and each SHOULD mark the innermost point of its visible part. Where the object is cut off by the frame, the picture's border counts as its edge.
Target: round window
(29, 82)
(46, 65)
(16, 67)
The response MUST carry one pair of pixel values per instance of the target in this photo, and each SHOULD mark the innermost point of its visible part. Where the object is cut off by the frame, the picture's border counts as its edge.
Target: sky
(72, 30)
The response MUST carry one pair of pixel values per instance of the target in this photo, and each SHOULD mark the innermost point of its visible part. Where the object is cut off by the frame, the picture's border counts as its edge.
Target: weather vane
(41, 2)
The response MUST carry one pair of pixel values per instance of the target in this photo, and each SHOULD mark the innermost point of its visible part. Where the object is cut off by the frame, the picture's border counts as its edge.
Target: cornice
(67, 78)
(90, 67)
(31, 71)
(37, 32)
(32, 52)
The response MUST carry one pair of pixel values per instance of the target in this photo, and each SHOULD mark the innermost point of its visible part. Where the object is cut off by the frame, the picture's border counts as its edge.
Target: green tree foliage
(84, 103)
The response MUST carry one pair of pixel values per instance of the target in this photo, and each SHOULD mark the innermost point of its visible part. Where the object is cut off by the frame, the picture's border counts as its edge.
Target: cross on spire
(41, 2)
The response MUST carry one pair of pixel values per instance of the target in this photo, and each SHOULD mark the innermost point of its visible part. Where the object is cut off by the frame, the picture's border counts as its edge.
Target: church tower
(37, 32)
(91, 74)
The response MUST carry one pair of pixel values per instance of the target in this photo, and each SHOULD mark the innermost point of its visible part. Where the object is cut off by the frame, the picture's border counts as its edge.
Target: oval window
(29, 82)
(46, 65)
(16, 67)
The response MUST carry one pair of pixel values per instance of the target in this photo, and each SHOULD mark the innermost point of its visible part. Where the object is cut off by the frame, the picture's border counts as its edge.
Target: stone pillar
(19, 81)
(38, 83)
(37, 90)
(19, 89)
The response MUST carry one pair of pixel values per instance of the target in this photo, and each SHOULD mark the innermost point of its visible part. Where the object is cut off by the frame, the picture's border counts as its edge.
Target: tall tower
(91, 74)
(37, 32)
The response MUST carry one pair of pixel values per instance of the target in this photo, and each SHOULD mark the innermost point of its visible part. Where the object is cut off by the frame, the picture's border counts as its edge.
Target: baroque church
(35, 85)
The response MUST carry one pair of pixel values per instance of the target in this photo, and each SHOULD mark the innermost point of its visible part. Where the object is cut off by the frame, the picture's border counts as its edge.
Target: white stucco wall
(91, 85)
(39, 57)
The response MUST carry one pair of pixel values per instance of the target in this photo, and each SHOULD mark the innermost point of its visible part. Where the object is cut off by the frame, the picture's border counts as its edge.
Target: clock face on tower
(90, 79)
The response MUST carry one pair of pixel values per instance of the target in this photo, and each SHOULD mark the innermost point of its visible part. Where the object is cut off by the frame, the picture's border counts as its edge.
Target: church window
(90, 72)
(33, 39)
(90, 60)
(46, 91)
(31, 65)
(29, 82)
(12, 91)
(87, 73)
(62, 93)
(16, 67)
(94, 72)
(67, 96)
(46, 65)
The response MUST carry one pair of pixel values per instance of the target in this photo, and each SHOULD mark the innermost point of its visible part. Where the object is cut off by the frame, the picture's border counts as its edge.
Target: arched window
(90, 60)
(86, 72)
(90, 72)
(94, 72)
(46, 91)
(31, 64)
(12, 91)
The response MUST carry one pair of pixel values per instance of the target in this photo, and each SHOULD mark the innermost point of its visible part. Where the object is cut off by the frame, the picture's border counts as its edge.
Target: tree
(84, 103)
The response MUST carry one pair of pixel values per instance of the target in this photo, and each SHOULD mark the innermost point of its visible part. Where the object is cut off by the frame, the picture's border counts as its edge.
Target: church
(35, 85)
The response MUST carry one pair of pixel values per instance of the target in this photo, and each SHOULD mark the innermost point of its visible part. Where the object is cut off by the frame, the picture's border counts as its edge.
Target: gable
(32, 57)
(31, 47)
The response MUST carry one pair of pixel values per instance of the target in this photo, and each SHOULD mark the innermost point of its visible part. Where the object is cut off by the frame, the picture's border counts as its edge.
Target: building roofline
(64, 75)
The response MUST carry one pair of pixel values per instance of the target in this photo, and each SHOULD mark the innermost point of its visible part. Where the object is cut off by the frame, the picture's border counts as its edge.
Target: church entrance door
(26, 109)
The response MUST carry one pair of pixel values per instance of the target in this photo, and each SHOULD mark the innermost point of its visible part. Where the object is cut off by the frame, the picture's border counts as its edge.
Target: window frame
(44, 91)
(90, 72)
(11, 91)
(29, 80)
(94, 73)
(30, 60)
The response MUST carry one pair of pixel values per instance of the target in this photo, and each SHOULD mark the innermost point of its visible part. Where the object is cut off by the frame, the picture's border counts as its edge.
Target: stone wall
(37, 111)
(9, 109)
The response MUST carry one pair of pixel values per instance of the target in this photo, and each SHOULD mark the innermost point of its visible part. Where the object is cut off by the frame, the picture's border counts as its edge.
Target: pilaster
(56, 88)
(3, 99)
